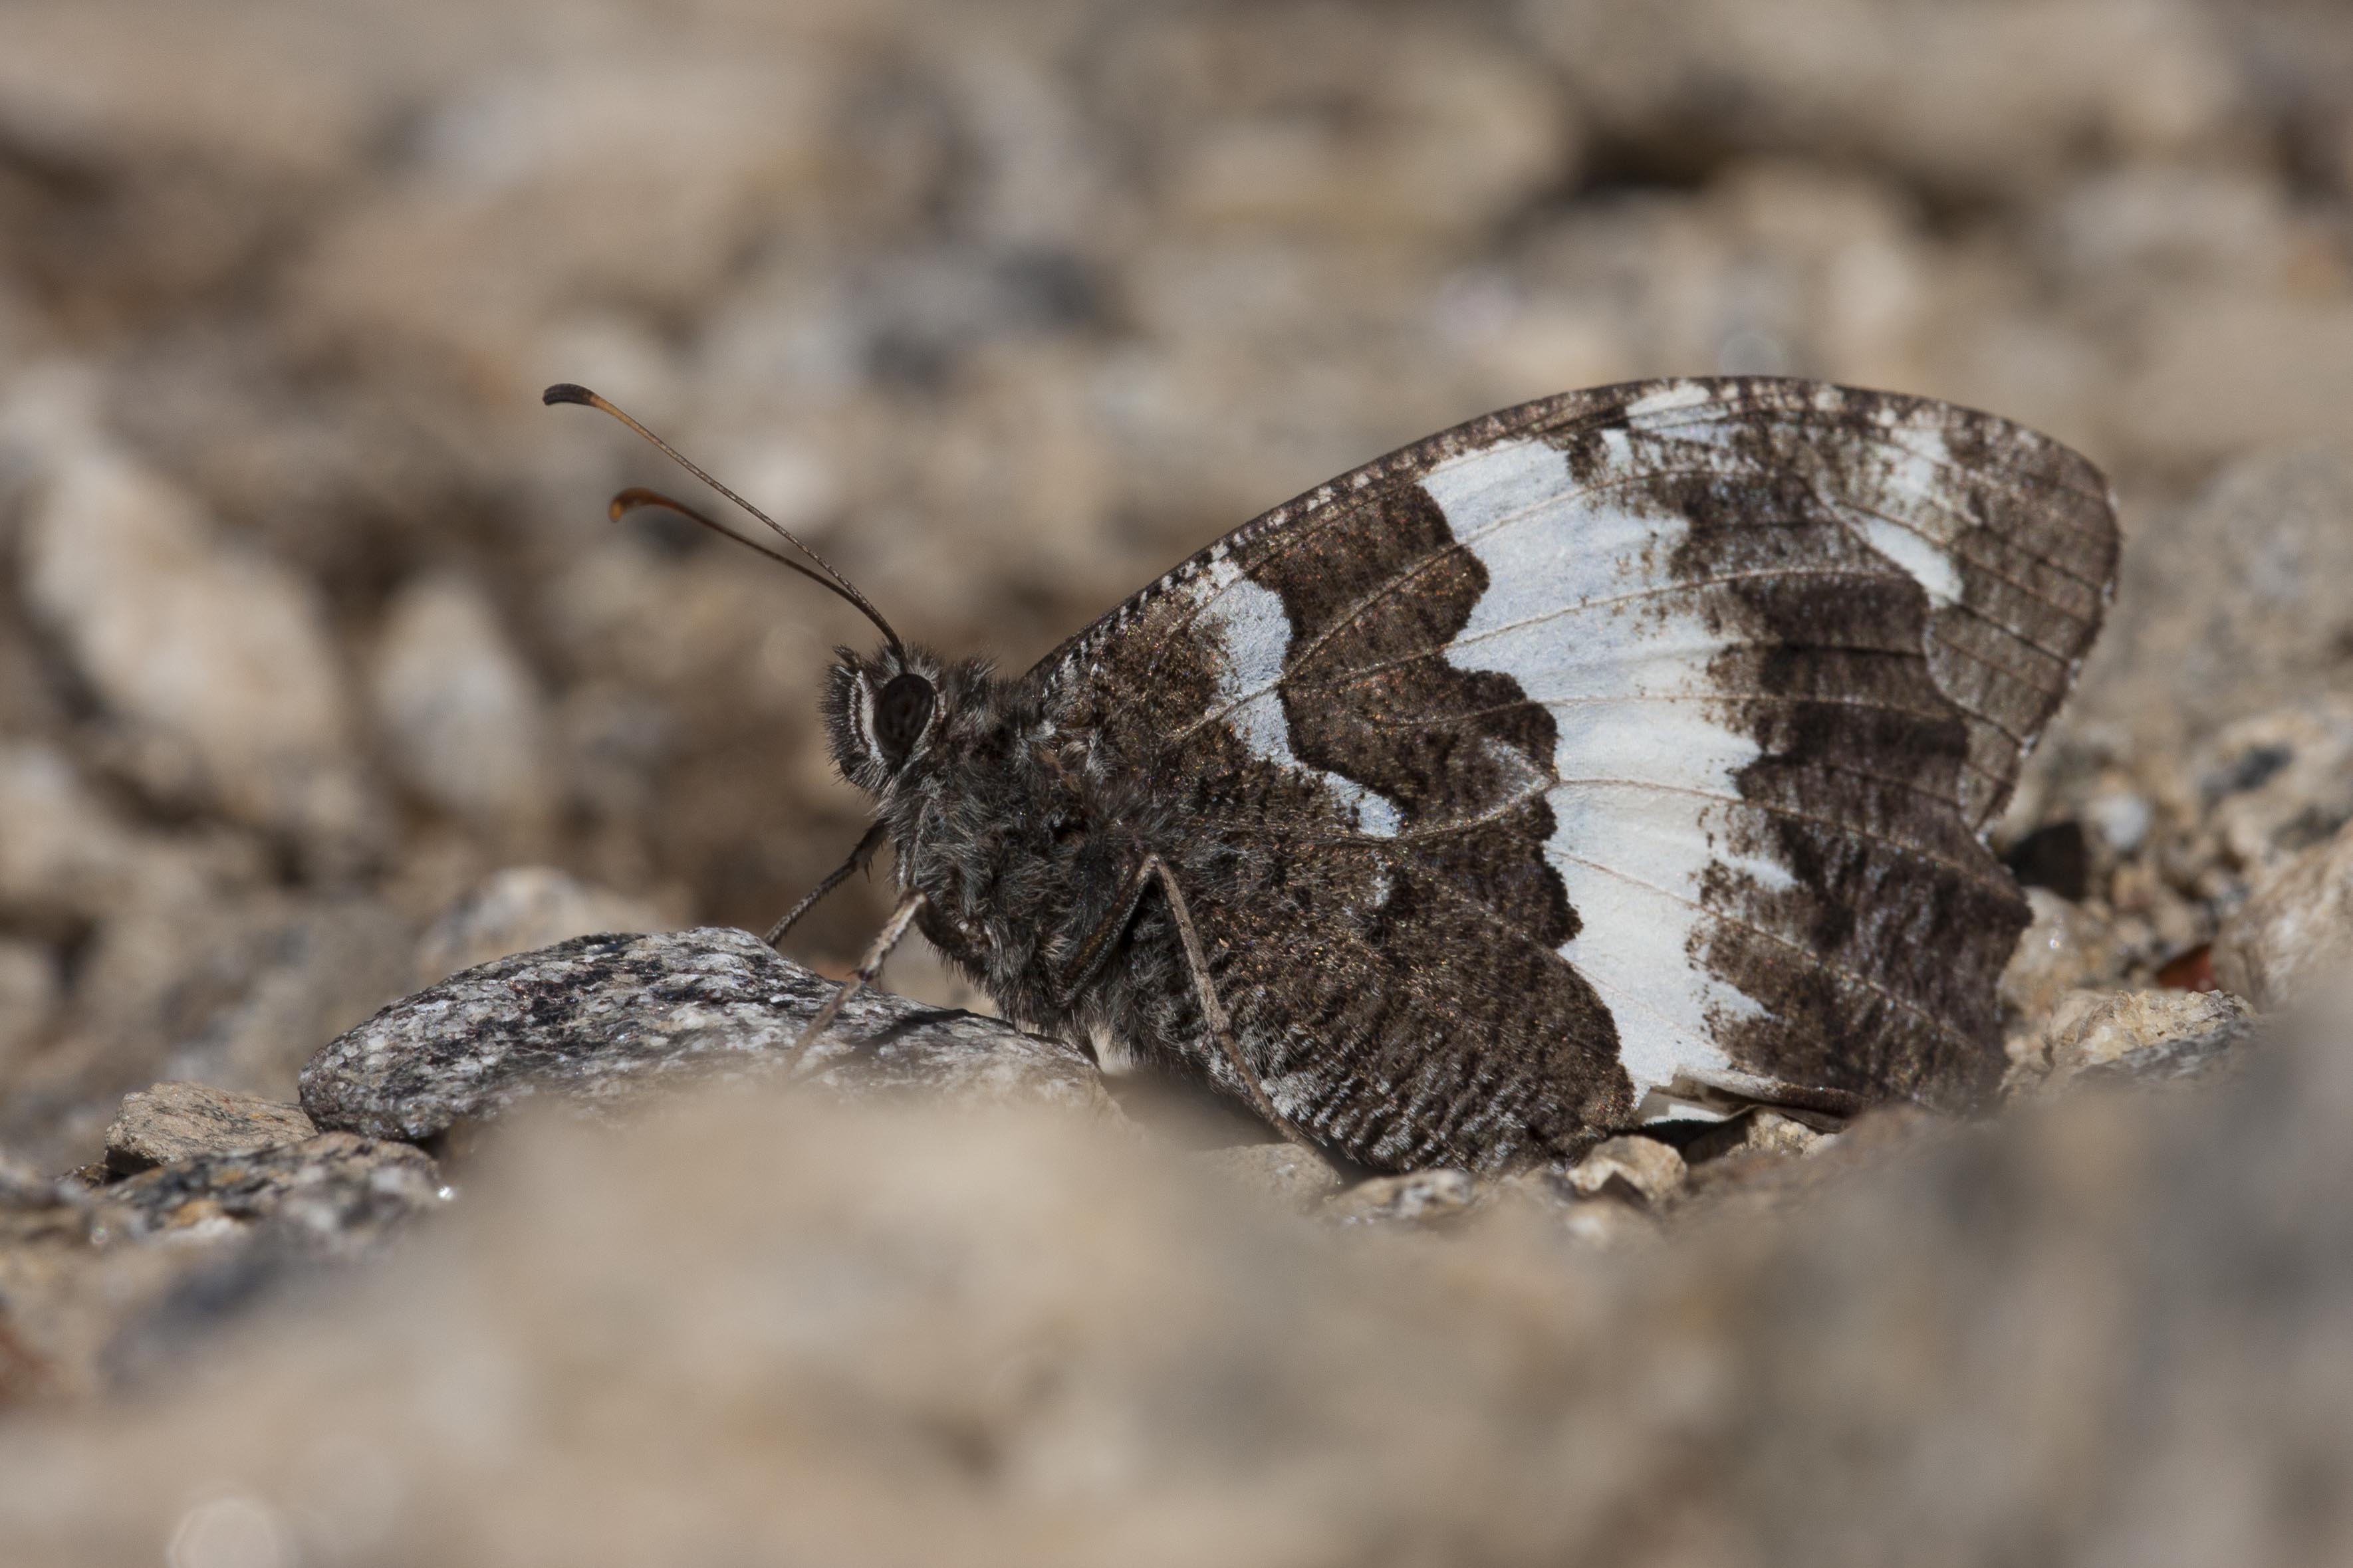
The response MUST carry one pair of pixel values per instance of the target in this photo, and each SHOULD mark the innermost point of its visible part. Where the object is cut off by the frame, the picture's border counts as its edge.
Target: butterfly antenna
(629, 500)
(636, 499)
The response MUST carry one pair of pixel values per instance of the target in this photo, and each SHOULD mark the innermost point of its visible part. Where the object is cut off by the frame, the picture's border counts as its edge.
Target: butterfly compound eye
(900, 710)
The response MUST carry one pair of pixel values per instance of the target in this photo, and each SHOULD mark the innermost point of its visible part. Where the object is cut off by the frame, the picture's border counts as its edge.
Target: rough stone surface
(334, 1192)
(2295, 935)
(1640, 1169)
(599, 1021)
(2125, 1034)
(2064, 948)
(179, 1120)
(100, 1288)
(2223, 1047)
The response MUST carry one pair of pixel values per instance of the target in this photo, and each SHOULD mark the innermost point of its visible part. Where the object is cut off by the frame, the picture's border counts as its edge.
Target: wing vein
(1457, 825)
(1862, 982)
(1244, 699)
(1433, 721)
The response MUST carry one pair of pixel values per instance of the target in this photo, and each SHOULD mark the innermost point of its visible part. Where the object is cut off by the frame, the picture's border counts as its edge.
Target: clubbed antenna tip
(832, 580)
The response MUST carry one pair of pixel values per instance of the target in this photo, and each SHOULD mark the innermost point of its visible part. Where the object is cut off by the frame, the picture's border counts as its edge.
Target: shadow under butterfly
(1617, 758)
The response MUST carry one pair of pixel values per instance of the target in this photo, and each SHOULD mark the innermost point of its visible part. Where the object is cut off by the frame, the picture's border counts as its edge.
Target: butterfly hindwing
(1632, 740)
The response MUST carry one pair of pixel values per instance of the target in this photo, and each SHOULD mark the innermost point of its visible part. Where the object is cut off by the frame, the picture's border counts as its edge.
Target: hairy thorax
(1020, 834)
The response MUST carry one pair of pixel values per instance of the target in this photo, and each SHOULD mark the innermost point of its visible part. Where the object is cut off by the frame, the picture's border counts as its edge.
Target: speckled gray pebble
(602, 1019)
(335, 1194)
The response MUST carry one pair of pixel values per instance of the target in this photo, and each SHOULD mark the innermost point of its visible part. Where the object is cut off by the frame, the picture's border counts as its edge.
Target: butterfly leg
(1097, 947)
(860, 859)
(869, 967)
(1095, 951)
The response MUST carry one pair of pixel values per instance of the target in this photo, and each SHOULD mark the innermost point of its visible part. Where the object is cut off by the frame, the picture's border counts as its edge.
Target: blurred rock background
(322, 676)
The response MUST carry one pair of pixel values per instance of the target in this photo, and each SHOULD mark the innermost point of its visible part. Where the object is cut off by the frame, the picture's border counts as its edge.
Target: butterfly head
(882, 713)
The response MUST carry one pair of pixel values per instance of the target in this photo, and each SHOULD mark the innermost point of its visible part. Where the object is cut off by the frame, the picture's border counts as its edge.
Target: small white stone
(2122, 818)
(1639, 1168)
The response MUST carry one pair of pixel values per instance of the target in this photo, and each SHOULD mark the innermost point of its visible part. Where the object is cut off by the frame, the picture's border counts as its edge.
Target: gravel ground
(324, 677)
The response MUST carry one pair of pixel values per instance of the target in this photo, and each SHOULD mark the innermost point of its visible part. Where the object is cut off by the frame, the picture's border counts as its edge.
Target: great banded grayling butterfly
(1620, 756)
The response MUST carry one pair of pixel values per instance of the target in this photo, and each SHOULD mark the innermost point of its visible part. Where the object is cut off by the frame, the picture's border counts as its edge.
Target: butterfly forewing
(1628, 742)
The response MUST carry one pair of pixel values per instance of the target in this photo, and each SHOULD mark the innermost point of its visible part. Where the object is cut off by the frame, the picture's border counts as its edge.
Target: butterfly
(1622, 756)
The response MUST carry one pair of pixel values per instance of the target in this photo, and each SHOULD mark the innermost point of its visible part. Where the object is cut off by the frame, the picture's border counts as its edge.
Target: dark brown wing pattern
(1548, 772)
